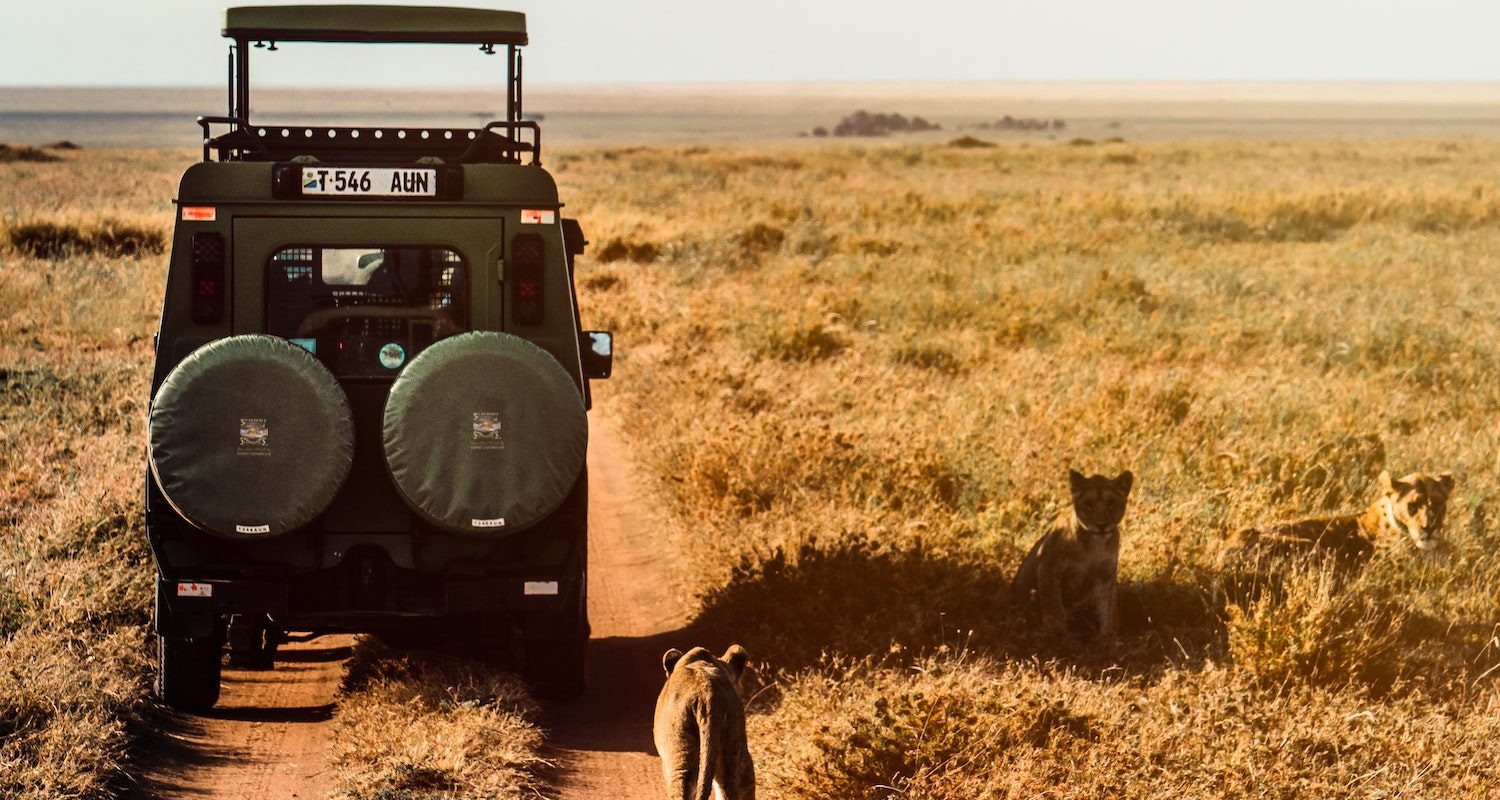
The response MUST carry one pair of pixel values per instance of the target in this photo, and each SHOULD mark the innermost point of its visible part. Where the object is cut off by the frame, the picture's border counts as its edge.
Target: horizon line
(808, 82)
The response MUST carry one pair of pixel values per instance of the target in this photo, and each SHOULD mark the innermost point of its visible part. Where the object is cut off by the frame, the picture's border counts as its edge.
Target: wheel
(187, 672)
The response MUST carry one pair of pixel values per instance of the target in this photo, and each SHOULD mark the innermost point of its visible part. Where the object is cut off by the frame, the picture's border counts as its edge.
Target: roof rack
(498, 142)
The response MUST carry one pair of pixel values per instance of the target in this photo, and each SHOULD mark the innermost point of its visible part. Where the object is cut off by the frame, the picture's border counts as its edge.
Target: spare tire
(250, 437)
(484, 433)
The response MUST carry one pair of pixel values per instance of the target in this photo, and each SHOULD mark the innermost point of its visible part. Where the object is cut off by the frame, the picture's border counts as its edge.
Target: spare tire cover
(250, 437)
(484, 433)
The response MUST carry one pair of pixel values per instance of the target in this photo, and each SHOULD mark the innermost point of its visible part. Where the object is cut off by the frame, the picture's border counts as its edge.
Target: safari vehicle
(368, 408)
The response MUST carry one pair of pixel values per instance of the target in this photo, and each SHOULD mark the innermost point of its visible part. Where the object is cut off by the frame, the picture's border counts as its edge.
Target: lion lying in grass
(700, 726)
(1412, 508)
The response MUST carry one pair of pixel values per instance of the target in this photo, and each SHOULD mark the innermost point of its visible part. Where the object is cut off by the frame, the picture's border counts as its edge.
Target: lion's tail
(708, 744)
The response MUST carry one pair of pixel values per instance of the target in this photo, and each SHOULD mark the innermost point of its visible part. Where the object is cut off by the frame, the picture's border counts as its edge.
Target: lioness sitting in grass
(1072, 572)
(700, 726)
(1410, 508)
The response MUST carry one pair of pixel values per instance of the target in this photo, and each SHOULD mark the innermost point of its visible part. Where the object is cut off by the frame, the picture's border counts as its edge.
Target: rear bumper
(370, 582)
(196, 608)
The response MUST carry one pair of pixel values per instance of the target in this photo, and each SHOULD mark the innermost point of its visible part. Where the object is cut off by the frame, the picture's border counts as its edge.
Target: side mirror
(573, 240)
(597, 349)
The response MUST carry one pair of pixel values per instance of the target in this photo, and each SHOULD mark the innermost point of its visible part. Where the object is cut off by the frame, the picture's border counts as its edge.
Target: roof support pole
(510, 82)
(519, 83)
(229, 91)
(242, 80)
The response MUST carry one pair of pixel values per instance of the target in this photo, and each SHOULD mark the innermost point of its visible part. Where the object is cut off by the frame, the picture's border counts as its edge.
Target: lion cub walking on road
(1072, 571)
(1412, 507)
(700, 726)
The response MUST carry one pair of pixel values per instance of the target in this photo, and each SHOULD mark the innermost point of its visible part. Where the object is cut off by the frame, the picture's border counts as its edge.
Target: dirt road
(603, 741)
(268, 737)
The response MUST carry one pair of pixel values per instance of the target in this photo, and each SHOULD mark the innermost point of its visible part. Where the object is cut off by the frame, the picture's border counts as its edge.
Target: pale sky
(177, 42)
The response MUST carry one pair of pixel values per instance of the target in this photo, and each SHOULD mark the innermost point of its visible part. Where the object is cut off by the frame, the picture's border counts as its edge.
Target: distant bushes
(46, 239)
(969, 143)
(13, 153)
(864, 123)
(1009, 123)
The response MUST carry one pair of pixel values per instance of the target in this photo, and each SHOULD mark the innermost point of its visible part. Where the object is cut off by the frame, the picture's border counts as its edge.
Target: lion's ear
(1445, 482)
(1075, 480)
(1125, 480)
(669, 660)
(737, 660)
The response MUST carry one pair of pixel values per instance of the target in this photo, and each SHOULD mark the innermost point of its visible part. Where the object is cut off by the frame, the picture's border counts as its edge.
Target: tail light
(208, 278)
(527, 299)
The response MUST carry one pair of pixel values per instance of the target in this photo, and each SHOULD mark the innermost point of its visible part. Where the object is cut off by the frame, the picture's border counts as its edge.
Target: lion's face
(1416, 504)
(1098, 501)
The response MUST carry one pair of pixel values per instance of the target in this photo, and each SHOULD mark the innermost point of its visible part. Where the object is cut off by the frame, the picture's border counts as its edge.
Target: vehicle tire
(187, 672)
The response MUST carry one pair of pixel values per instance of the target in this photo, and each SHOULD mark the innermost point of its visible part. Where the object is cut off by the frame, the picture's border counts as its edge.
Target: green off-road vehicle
(368, 411)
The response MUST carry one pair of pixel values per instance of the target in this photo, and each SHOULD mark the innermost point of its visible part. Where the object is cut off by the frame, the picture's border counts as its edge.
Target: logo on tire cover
(255, 437)
(487, 431)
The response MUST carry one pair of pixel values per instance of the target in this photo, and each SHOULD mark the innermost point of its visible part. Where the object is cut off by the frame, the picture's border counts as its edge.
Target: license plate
(369, 182)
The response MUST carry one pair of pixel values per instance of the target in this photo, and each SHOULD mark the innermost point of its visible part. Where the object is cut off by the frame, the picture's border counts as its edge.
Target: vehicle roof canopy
(375, 23)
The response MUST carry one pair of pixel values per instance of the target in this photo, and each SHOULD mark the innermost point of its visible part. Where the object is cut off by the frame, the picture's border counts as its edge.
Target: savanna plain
(855, 376)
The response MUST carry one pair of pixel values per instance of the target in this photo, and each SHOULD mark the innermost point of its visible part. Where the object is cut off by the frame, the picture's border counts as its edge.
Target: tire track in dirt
(602, 742)
(267, 737)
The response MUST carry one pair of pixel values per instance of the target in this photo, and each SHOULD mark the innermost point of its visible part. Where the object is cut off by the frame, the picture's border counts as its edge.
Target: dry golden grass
(414, 726)
(863, 372)
(75, 573)
(862, 420)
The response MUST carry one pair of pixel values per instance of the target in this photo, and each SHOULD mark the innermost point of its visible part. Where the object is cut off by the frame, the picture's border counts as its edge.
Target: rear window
(366, 311)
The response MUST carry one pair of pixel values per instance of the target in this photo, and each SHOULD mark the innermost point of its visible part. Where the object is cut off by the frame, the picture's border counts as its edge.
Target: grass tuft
(107, 237)
(640, 252)
(420, 725)
(811, 341)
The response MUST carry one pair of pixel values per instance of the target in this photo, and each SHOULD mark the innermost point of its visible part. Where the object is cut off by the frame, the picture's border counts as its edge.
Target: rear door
(365, 295)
